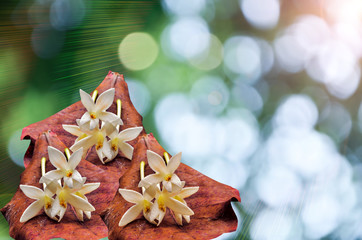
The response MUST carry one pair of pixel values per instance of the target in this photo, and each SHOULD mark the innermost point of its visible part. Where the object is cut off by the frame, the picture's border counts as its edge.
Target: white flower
(163, 173)
(164, 199)
(98, 138)
(184, 193)
(86, 188)
(43, 200)
(65, 196)
(64, 169)
(118, 142)
(97, 111)
(143, 203)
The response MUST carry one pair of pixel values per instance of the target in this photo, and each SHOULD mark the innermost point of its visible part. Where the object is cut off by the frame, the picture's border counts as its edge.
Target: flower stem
(43, 160)
(94, 95)
(67, 153)
(142, 173)
(119, 107)
(166, 156)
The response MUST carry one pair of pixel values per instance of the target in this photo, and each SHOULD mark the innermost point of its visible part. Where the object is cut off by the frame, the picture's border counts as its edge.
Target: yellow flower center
(93, 115)
(69, 173)
(168, 177)
(48, 202)
(62, 201)
(100, 140)
(161, 203)
(146, 206)
(114, 144)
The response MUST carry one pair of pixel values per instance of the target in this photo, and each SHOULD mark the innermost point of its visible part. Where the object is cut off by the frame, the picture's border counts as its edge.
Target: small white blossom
(98, 138)
(184, 193)
(44, 199)
(118, 141)
(85, 189)
(64, 169)
(163, 173)
(163, 200)
(142, 203)
(65, 196)
(97, 111)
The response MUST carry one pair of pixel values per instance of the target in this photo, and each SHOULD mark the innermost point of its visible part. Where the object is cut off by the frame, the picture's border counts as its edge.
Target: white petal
(108, 151)
(79, 202)
(187, 218)
(130, 133)
(32, 192)
(68, 181)
(77, 177)
(89, 187)
(51, 176)
(130, 215)
(178, 207)
(85, 143)
(131, 196)
(48, 212)
(174, 162)
(188, 191)
(84, 121)
(150, 179)
(93, 123)
(79, 214)
(52, 186)
(61, 213)
(100, 154)
(88, 214)
(105, 100)
(32, 210)
(126, 149)
(156, 212)
(178, 218)
(73, 129)
(156, 162)
(110, 117)
(87, 100)
(167, 185)
(109, 129)
(57, 158)
(75, 158)
(176, 180)
(55, 208)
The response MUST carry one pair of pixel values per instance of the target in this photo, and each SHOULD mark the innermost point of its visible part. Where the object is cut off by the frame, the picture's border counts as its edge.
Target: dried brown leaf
(42, 227)
(211, 204)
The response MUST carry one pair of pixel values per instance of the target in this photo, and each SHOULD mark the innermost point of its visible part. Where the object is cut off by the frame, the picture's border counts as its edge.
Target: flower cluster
(100, 128)
(161, 190)
(61, 187)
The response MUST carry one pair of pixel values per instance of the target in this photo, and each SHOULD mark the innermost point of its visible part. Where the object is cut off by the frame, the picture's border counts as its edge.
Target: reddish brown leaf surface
(42, 227)
(211, 204)
(130, 117)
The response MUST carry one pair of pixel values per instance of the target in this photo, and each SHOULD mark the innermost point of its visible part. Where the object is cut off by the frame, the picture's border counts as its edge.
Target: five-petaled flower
(65, 169)
(143, 203)
(118, 142)
(95, 137)
(163, 173)
(184, 193)
(165, 199)
(97, 111)
(44, 199)
(65, 196)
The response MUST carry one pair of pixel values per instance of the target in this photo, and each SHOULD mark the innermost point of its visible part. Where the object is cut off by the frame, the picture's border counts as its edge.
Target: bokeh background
(263, 95)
